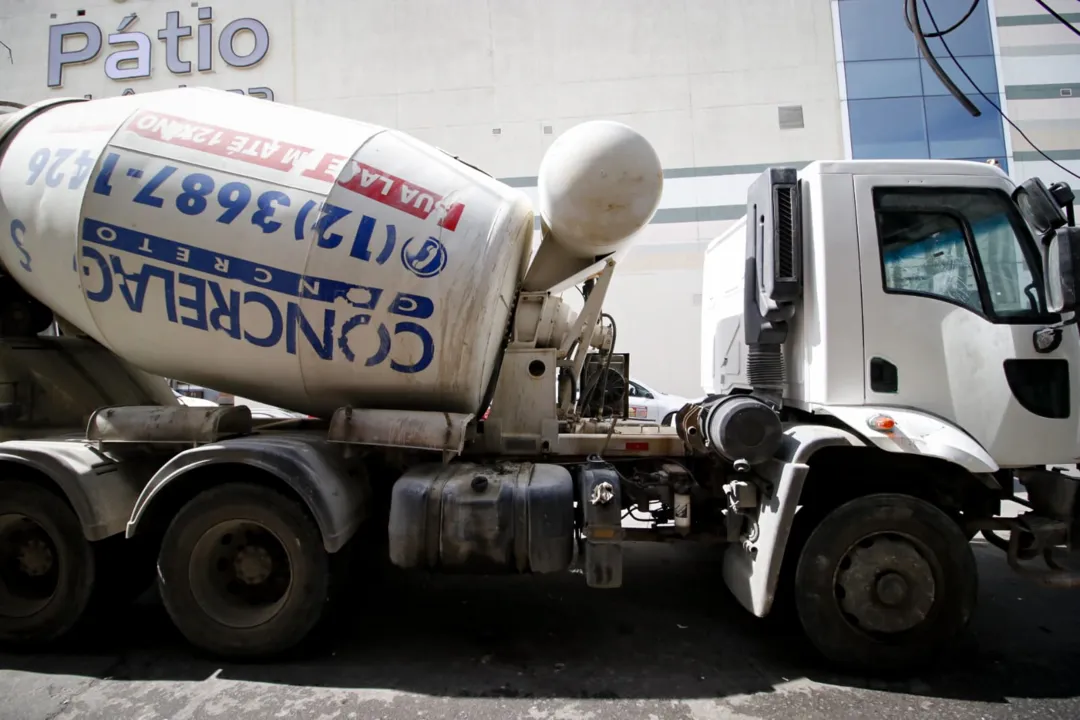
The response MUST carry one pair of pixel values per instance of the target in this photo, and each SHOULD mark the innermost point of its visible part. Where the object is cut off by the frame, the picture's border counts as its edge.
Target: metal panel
(101, 488)
(173, 424)
(623, 443)
(414, 429)
(337, 494)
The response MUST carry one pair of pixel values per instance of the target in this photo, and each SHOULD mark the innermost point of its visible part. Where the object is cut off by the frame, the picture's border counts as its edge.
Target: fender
(752, 567)
(101, 490)
(919, 433)
(310, 466)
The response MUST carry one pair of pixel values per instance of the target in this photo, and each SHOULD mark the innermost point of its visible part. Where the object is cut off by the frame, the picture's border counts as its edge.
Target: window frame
(1029, 248)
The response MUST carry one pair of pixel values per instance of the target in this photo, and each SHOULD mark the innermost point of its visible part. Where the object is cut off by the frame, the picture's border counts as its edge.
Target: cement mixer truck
(872, 397)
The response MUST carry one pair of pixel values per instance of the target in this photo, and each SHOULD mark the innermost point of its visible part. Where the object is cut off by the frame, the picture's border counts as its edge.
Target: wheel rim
(886, 584)
(29, 566)
(240, 573)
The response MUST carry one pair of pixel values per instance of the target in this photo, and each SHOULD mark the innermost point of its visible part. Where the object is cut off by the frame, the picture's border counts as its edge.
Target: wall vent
(791, 117)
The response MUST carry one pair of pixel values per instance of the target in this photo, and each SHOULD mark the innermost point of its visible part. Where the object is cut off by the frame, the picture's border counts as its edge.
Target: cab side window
(925, 254)
(966, 246)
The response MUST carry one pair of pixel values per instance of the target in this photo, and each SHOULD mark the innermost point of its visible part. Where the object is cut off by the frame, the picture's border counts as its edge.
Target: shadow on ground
(672, 632)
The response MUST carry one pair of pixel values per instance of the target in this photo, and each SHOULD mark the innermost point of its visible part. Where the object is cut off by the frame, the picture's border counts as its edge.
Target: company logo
(131, 57)
(425, 259)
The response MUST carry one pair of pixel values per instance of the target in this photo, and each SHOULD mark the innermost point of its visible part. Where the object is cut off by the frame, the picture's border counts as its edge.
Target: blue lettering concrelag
(205, 305)
(229, 267)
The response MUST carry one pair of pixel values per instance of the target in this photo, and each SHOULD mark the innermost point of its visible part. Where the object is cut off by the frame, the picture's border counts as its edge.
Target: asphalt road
(670, 644)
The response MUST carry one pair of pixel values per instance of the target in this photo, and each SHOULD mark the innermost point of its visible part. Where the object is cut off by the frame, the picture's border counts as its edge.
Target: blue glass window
(981, 70)
(883, 78)
(888, 128)
(954, 133)
(971, 38)
(897, 107)
(875, 30)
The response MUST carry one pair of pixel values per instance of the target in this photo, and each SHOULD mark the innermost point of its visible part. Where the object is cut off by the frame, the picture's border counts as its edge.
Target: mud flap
(600, 499)
(752, 565)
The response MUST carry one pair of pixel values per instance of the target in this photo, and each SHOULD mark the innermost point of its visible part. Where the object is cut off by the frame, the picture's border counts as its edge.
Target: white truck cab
(909, 323)
(923, 297)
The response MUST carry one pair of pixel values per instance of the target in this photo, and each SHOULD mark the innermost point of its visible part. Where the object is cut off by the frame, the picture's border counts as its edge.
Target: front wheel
(242, 571)
(884, 583)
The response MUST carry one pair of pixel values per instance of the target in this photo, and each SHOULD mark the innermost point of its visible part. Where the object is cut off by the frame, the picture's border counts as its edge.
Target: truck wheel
(46, 565)
(884, 583)
(242, 571)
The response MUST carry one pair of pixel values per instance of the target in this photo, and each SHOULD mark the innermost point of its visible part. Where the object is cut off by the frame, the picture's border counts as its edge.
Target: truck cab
(923, 294)
(909, 323)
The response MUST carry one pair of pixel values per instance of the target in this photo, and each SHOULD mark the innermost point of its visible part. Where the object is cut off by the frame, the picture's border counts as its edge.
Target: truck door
(952, 294)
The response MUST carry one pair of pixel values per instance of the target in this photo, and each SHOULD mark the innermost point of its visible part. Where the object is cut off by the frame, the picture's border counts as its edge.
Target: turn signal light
(882, 423)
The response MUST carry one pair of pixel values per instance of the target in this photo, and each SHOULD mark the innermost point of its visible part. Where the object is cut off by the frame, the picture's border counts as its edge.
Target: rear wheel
(242, 571)
(885, 583)
(46, 565)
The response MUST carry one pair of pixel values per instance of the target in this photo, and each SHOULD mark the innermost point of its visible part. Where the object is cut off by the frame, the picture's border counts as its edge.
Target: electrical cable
(956, 25)
(607, 362)
(1058, 17)
(911, 17)
(917, 30)
(587, 393)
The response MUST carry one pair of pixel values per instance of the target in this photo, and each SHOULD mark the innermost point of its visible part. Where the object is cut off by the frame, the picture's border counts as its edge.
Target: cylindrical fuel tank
(301, 259)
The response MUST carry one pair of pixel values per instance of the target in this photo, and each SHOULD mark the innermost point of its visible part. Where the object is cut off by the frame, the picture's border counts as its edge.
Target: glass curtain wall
(897, 108)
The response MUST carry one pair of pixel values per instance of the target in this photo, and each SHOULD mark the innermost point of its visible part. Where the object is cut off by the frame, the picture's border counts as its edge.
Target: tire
(47, 566)
(667, 419)
(240, 539)
(841, 586)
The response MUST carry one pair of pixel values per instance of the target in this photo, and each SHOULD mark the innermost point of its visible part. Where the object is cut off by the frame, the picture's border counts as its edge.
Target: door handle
(884, 377)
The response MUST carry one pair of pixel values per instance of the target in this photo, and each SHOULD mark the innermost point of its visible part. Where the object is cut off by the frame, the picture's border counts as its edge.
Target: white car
(193, 401)
(647, 404)
(653, 405)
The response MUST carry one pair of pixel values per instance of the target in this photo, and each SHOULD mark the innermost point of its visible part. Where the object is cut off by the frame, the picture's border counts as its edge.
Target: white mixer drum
(293, 257)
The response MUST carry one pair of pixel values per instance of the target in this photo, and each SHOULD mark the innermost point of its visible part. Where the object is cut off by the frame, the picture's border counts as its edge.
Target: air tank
(301, 259)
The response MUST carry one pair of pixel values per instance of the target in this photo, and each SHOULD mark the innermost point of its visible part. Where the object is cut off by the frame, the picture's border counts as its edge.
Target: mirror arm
(1047, 339)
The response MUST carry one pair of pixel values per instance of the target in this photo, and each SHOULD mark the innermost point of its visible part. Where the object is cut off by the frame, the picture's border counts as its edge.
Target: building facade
(722, 88)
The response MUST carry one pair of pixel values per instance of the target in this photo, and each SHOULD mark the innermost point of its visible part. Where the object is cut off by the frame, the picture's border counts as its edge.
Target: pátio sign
(131, 54)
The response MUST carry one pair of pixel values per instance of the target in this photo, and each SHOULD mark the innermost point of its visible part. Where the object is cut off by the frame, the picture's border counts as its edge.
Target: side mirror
(1063, 271)
(1038, 206)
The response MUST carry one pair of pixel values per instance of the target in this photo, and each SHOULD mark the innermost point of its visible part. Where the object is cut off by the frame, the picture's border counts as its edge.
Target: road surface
(670, 644)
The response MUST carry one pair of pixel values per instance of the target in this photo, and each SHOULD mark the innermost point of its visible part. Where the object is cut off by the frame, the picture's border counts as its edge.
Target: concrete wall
(496, 81)
(1040, 71)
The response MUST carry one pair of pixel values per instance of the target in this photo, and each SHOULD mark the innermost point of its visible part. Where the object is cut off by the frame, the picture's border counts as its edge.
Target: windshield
(966, 245)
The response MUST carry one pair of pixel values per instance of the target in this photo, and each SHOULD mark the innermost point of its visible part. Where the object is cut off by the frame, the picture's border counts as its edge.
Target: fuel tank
(306, 260)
